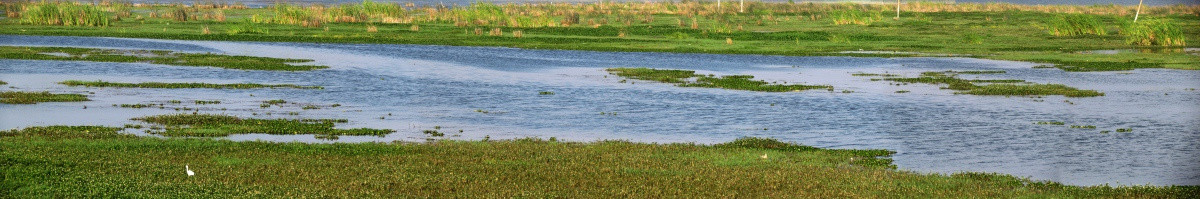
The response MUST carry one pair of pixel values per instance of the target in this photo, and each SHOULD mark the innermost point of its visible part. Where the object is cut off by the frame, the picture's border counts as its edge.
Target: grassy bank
(155, 56)
(687, 78)
(61, 161)
(1046, 34)
(21, 97)
(181, 85)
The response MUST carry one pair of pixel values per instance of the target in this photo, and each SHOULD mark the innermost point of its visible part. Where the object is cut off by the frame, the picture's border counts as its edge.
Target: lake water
(417, 87)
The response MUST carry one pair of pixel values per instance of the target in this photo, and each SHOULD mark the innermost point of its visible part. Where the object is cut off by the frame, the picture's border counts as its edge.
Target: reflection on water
(412, 88)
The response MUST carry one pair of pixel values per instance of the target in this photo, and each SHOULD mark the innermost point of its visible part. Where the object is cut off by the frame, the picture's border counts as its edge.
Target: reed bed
(22, 97)
(1153, 32)
(1075, 25)
(182, 85)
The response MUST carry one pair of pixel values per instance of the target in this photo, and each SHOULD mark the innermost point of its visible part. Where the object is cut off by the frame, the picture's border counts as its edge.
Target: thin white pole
(897, 9)
(1139, 11)
(718, 5)
(742, 6)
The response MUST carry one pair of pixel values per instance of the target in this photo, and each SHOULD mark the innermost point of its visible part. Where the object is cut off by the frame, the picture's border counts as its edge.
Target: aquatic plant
(1153, 32)
(202, 102)
(1051, 122)
(545, 93)
(64, 13)
(686, 78)
(203, 125)
(21, 97)
(156, 57)
(182, 85)
(1031, 89)
(138, 105)
(995, 87)
(1074, 25)
(1124, 130)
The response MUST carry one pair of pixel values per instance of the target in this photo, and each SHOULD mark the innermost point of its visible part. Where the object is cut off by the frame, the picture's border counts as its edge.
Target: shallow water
(418, 87)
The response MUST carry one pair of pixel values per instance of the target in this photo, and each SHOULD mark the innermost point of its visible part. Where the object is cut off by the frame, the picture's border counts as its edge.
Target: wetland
(785, 100)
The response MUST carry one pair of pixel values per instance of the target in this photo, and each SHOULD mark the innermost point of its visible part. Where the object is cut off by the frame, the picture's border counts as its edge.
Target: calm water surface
(417, 87)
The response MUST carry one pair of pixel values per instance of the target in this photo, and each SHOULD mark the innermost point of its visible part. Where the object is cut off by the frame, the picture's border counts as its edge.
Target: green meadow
(92, 161)
(1059, 35)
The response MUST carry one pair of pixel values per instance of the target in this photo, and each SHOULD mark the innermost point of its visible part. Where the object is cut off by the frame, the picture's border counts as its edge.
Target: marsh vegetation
(23, 97)
(203, 125)
(181, 85)
(155, 56)
(687, 78)
(48, 161)
(1052, 34)
(994, 87)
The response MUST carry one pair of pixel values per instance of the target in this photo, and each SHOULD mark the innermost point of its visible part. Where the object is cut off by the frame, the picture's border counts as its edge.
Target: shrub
(1074, 25)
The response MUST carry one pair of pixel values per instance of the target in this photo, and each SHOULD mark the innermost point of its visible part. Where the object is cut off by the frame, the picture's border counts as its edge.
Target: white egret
(189, 170)
(764, 156)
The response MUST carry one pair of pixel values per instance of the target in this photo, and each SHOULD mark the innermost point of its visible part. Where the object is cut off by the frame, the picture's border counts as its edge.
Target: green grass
(181, 85)
(991, 31)
(65, 13)
(1075, 25)
(687, 78)
(99, 162)
(156, 56)
(1007, 87)
(1153, 32)
(200, 125)
(1031, 89)
(20, 97)
(3, 83)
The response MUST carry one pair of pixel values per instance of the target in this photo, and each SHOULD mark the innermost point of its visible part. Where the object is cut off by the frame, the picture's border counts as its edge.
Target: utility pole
(898, 10)
(1139, 11)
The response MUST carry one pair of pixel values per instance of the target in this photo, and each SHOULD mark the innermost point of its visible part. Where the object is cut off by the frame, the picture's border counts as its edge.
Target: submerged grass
(20, 97)
(157, 57)
(687, 78)
(1008, 87)
(52, 161)
(181, 85)
(201, 125)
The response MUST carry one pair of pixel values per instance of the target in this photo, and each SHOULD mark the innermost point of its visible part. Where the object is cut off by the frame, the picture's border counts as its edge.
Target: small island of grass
(687, 78)
(21, 97)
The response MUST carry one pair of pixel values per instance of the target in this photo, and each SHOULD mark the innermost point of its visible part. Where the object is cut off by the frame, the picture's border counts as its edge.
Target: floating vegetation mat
(156, 57)
(19, 97)
(202, 125)
(1005, 87)
(687, 78)
(181, 85)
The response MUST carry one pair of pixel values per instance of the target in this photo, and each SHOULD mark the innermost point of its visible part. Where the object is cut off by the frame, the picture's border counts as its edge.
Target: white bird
(764, 156)
(189, 170)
